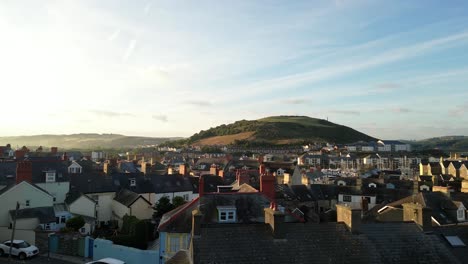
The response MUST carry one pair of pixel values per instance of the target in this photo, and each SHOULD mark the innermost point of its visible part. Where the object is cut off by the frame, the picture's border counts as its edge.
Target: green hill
(447, 143)
(278, 130)
(82, 141)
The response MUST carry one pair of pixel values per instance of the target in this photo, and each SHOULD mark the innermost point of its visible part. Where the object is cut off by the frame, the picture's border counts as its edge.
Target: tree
(75, 223)
(178, 201)
(163, 206)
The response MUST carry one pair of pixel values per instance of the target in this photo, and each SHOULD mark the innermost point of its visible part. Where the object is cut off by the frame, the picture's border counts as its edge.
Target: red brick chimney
(53, 150)
(20, 154)
(267, 186)
(262, 169)
(201, 186)
(242, 177)
(23, 171)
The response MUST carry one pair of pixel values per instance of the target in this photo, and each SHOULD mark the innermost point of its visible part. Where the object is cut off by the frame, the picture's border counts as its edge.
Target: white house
(31, 218)
(129, 203)
(82, 205)
(75, 168)
(355, 201)
(58, 190)
(27, 195)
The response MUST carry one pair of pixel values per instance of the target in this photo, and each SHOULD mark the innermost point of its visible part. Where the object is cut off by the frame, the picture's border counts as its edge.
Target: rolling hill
(82, 141)
(278, 130)
(447, 143)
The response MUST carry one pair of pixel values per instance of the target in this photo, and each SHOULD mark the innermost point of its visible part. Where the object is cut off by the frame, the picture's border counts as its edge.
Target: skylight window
(455, 241)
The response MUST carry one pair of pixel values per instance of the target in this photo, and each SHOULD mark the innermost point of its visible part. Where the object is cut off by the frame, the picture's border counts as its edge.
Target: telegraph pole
(13, 231)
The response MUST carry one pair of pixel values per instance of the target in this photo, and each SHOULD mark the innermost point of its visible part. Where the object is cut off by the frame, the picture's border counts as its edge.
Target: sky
(391, 69)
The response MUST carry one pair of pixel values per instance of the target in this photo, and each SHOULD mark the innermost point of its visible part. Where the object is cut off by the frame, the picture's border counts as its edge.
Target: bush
(75, 223)
(178, 201)
(128, 226)
(141, 234)
(123, 240)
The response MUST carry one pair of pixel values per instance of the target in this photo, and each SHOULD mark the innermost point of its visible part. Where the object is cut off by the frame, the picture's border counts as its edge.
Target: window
(461, 214)
(54, 199)
(63, 219)
(132, 182)
(57, 220)
(226, 214)
(222, 216)
(186, 197)
(27, 202)
(346, 198)
(83, 230)
(47, 226)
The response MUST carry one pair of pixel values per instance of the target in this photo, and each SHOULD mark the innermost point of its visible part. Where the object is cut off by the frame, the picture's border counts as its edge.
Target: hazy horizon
(390, 69)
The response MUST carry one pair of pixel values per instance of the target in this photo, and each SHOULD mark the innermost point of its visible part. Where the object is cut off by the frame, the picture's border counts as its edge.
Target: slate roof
(45, 214)
(40, 166)
(127, 197)
(319, 243)
(7, 168)
(249, 209)
(143, 184)
(302, 193)
(91, 183)
(437, 201)
(461, 231)
(171, 183)
(283, 191)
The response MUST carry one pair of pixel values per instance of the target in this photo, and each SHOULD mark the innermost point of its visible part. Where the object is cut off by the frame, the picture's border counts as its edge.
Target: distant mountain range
(83, 141)
(447, 143)
(278, 130)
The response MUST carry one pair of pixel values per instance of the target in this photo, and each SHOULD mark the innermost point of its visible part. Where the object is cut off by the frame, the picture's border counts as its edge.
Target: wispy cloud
(356, 65)
(162, 118)
(345, 112)
(114, 35)
(198, 102)
(401, 110)
(130, 49)
(459, 110)
(148, 7)
(104, 113)
(297, 101)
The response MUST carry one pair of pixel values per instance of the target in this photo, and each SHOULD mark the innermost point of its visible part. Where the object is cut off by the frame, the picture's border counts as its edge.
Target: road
(35, 260)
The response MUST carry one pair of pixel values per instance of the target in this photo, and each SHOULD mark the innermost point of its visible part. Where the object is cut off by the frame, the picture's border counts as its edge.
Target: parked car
(20, 248)
(107, 261)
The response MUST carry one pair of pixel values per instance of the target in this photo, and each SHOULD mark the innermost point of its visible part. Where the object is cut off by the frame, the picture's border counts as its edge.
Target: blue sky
(392, 69)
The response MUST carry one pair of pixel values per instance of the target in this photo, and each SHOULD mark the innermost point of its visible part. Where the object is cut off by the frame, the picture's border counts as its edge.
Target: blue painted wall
(162, 246)
(105, 249)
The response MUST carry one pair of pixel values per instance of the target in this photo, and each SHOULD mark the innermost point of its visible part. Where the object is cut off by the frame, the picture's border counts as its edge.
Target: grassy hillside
(279, 130)
(82, 141)
(448, 143)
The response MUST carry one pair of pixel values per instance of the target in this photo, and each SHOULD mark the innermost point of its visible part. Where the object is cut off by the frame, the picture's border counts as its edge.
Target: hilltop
(278, 130)
(446, 143)
(83, 141)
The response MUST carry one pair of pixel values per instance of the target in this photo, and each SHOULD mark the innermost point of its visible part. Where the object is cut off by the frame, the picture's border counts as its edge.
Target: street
(35, 260)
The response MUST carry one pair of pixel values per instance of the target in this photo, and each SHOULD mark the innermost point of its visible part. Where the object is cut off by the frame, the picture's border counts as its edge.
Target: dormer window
(227, 214)
(132, 182)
